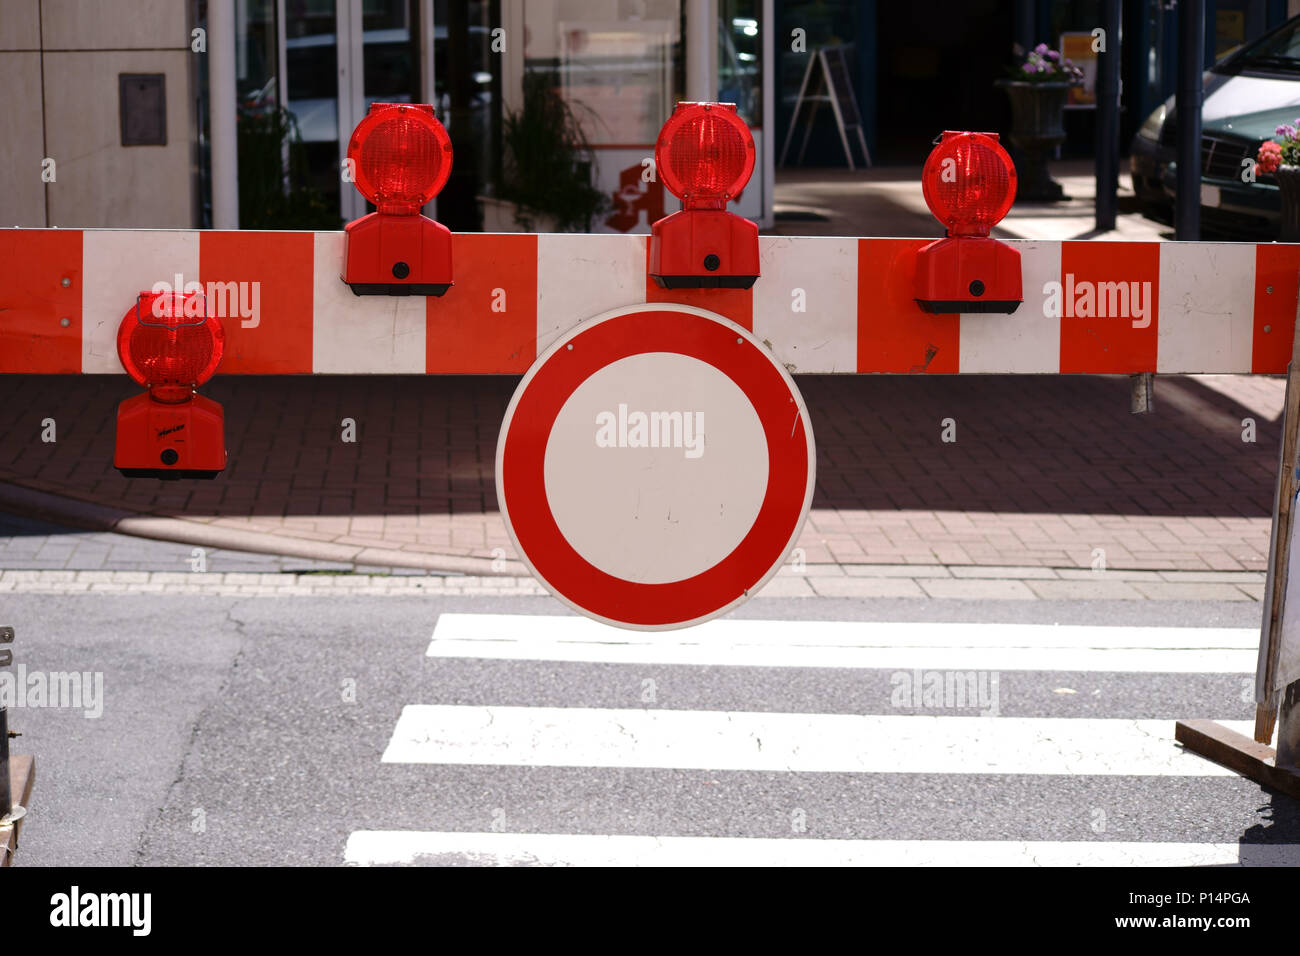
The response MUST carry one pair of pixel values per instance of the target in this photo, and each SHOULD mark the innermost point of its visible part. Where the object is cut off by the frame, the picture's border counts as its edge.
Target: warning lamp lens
(169, 344)
(705, 153)
(969, 182)
(401, 157)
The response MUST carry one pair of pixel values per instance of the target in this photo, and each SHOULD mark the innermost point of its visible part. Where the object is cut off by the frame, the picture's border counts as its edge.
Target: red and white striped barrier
(822, 304)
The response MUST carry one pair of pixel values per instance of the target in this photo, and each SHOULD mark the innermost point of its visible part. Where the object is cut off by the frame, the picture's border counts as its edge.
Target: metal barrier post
(6, 796)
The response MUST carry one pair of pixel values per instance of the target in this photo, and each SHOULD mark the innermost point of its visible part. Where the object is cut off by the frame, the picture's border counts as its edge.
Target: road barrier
(838, 305)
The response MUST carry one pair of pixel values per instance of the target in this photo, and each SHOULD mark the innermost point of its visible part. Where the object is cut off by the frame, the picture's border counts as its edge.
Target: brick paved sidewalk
(1046, 470)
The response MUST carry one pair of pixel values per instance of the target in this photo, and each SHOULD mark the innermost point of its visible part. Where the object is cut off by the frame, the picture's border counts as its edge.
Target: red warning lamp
(969, 184)
(705, 156)
(168, 343)
(401, 158)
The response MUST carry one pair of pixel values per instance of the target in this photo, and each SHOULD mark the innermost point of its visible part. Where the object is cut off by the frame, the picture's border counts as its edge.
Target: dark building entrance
(935, 67)
(919, 67)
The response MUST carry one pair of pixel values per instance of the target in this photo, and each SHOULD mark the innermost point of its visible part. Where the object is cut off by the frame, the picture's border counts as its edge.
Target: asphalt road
(253, 731)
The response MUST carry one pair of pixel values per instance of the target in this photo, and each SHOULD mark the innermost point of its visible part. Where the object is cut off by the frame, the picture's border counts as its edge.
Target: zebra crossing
(935, 712)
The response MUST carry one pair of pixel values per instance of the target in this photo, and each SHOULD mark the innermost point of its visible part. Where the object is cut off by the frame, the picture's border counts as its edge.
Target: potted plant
(546, 173)
(1038, 90)
(1282, 162)
(271, 197)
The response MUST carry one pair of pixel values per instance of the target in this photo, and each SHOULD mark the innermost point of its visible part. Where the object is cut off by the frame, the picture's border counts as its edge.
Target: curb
(92, 516)
(910, 579)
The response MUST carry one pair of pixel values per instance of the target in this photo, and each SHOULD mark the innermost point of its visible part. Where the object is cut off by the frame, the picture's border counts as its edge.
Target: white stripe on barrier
(1206, 306)
(388, 339)
(779, 742)
(117, 265)
(1027, 340)
(823, 273)
(395, 847)
(580, 276)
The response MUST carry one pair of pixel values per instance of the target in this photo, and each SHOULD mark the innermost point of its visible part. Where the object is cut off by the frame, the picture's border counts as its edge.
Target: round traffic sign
(655, 466)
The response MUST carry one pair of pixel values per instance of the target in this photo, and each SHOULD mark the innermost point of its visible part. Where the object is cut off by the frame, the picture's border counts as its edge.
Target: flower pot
(1288, 185)
(1037, 128)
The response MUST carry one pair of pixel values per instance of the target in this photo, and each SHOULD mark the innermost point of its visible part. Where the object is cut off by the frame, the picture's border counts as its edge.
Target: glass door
(311, 49)
(341, 56)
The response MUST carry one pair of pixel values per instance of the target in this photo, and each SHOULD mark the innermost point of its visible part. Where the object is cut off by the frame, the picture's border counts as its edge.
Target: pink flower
(1269, 157)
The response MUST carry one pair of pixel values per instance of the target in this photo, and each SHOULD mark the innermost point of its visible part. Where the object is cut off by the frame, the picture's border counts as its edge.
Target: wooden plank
(1278, 551)
(1237, 752)
(22, 774)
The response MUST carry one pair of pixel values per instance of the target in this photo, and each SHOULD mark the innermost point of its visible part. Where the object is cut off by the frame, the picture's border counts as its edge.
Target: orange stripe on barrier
(487, 321)
(1277, 295)
(1093, 340)
(894, 335)
(273, 272)
(34, 301)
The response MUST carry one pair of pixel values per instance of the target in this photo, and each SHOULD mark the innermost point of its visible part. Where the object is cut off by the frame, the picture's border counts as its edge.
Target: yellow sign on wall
(1078, 49)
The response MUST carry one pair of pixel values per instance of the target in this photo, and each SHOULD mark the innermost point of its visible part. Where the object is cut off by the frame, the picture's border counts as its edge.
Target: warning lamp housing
(704, 156)
(170, 344)
(969, 184)
(400, 157)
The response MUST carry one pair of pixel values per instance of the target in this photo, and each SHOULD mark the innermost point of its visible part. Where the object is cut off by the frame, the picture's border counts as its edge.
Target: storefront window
(467, 83)
(740, 58)
(615, 69)
(255, 57)
(311, 48)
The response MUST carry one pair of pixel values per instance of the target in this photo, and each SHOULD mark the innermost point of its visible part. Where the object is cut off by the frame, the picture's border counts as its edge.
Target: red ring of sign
(558, 564)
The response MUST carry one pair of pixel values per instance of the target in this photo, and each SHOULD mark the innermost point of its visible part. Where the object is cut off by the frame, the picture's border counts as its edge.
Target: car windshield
(1277, 53)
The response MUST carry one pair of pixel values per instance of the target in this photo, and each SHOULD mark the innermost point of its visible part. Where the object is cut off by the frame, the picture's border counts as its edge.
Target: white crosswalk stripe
(389, 847)
(806, 743)
(1166, 650)
(974, 740)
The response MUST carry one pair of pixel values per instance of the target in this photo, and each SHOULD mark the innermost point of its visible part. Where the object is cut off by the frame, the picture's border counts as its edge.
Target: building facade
(236, 113)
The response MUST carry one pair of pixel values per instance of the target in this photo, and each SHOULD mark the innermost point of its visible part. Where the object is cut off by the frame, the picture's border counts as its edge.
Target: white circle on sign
(656, 467)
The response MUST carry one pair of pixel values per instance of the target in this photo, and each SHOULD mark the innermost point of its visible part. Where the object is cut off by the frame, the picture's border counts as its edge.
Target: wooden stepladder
(833, 86)
(1277, 675)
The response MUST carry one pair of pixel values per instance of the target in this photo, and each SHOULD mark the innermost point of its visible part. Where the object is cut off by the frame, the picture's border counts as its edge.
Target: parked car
(1248, 94)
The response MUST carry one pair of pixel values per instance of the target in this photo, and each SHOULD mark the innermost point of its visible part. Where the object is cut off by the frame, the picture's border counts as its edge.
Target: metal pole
(701, 46)
(1108, 118)
(222, 41)
(6, 798)
(1187, 114)
(1142, 398)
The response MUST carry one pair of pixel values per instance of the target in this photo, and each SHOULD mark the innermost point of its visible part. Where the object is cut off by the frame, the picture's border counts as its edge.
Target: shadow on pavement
(1055, 444)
